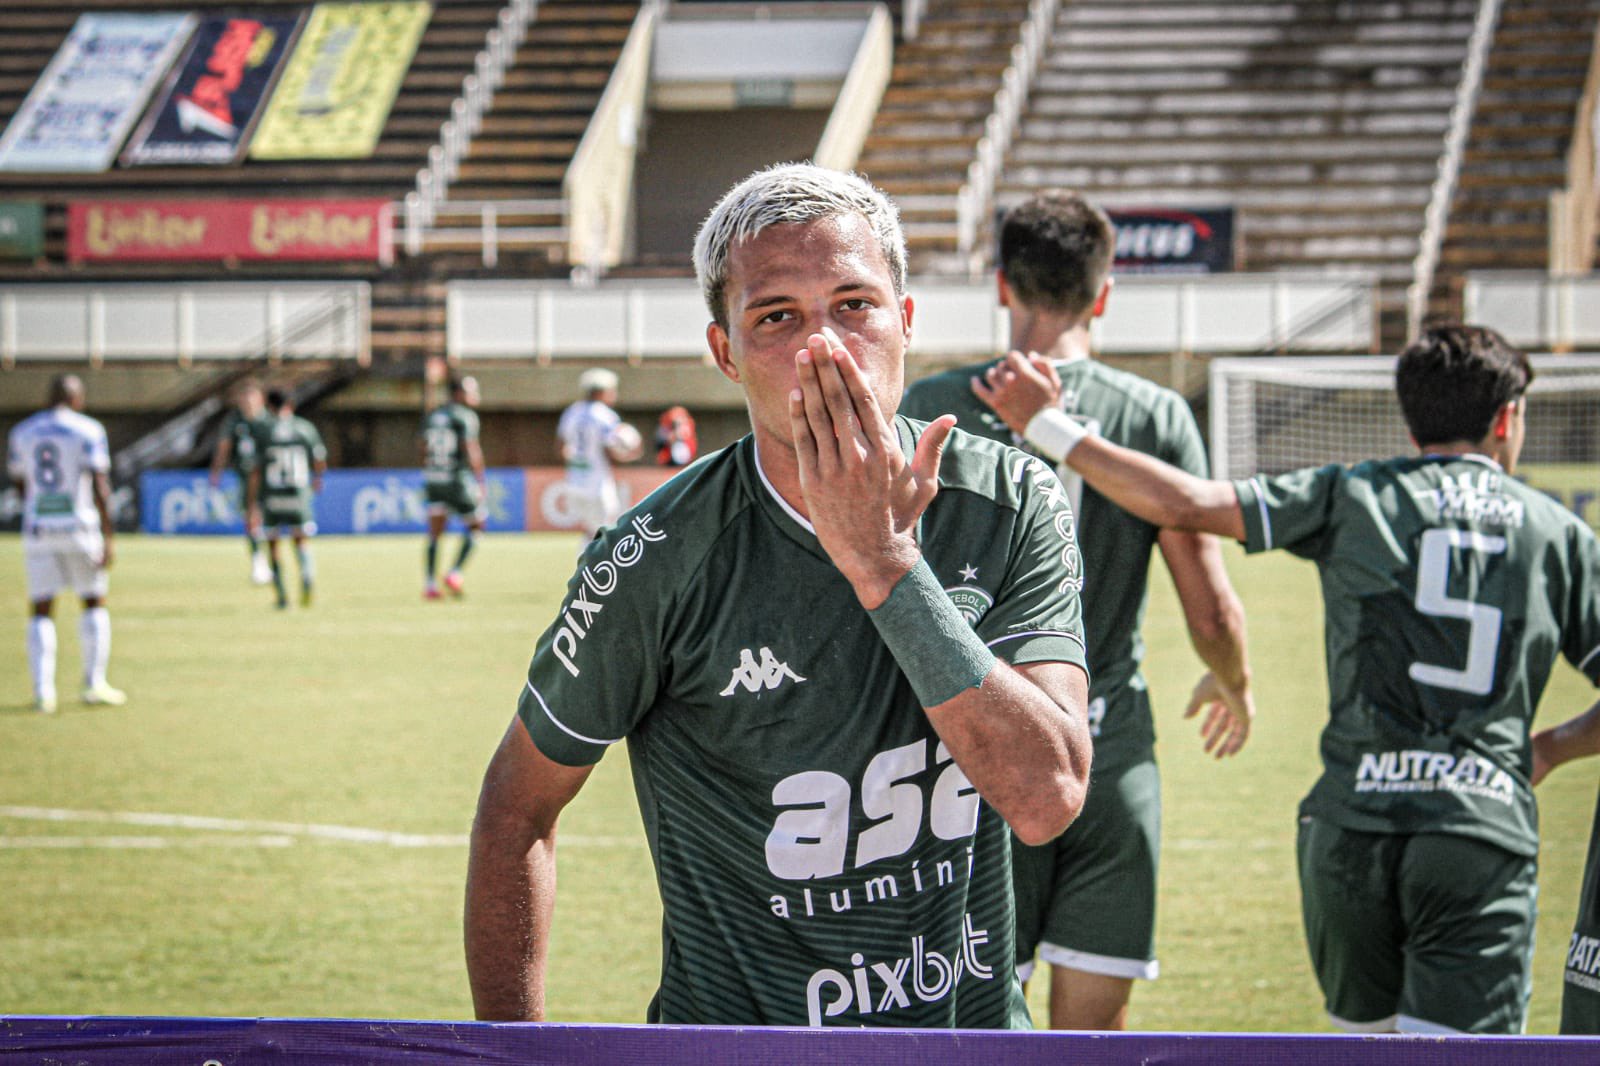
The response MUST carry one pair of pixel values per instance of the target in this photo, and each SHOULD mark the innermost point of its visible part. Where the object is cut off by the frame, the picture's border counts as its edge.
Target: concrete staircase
(1320, 123)
(1516, 152)
(940, 94)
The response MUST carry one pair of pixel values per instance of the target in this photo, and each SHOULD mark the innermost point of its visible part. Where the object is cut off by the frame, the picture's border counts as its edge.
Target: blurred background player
(453, 478)
(1580, 985)
(60, 462)
(235, 447)
(284, 479)
(592, 437)
(1449, 588)
(1087, 900)
(676, 444)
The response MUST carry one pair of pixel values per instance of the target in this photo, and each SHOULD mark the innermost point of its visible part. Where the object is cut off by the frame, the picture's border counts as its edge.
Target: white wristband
(1054, 432)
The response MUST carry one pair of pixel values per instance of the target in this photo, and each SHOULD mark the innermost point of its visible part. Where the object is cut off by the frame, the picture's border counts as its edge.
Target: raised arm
(1215, 619)
(511, 877)
(1021, 389)
(1019, 734)
(1575, 738)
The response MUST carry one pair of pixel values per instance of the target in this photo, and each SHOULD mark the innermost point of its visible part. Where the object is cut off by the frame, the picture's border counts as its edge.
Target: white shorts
(55, 562)
(593, 506)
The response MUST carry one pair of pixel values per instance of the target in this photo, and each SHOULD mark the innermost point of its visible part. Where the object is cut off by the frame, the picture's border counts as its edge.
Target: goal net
(1273, 414)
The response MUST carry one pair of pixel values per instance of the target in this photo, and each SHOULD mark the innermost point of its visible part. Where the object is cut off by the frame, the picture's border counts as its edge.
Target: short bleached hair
(790, 193)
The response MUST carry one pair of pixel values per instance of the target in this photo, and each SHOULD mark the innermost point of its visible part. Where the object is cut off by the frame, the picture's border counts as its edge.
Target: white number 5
(1433, 598)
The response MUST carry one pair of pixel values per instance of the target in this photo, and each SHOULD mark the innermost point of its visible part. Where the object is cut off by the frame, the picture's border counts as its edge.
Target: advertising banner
(88, 98)
(550, 505)
(1158, 241)
(21, 230)
(209, 104)
(351, 501)
(338, 86)
(210, 230)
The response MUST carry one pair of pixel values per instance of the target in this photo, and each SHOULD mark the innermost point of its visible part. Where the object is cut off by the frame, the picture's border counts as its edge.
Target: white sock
(42, 656)
(94, 632)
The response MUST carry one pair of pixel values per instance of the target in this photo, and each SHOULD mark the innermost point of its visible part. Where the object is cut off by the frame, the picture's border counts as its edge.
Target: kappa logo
(768, 674)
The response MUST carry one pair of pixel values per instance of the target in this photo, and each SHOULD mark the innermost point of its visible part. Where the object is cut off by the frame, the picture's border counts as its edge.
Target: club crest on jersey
(757, 677)
(971, 601)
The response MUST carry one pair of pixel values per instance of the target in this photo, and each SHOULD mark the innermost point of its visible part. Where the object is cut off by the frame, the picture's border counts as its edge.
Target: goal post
(1271, 414)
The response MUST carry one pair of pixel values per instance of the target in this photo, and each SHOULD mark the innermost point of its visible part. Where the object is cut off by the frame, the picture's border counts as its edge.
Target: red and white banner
(215, 230)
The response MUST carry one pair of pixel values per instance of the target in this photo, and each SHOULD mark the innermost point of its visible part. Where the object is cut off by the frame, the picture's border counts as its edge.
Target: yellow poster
(338, 87)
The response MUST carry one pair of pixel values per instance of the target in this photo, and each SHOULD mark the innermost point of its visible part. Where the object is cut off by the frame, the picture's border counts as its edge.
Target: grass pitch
(165, 858)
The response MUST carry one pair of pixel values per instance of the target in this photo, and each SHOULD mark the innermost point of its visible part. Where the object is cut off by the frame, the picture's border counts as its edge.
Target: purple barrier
(301, 1042)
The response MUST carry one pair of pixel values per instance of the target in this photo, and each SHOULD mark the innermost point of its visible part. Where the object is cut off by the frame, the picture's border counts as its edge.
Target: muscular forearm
(1026, 754)
(1157, 492)
(1221, 644)
(1575, 738)
(510, 898)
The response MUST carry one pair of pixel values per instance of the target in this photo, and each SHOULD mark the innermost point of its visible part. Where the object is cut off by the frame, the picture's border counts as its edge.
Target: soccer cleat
(45, 704)
(260, 571)
(453, 582)
(103, 695)
(430, 591)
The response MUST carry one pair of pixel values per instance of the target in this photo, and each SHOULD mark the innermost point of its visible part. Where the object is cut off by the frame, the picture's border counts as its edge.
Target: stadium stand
(1516, 154)
(1321, 124)
(940, 95)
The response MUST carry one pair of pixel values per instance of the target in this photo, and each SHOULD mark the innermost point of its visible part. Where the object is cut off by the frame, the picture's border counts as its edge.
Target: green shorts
(288, 515)
(1424, 933)
(1087, 900)
(1580, 975)
(460, 497)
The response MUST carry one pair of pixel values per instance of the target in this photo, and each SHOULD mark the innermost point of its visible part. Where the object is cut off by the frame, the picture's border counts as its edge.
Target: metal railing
(977, 193)
(466, 120)
(911, 13)
(478, 223)
(1444, 183)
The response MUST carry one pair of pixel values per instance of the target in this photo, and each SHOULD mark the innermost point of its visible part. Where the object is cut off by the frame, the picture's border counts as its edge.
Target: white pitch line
(343, 833)
(54, 843)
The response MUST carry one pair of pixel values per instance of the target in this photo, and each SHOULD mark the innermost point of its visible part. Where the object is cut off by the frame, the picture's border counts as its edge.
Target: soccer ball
(626, 443)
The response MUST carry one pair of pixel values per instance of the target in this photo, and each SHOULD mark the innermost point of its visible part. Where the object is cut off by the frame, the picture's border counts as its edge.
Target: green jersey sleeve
(596, 670)
(1581, 632)
(1180, 437)
(1037, 614)
(1293, 511)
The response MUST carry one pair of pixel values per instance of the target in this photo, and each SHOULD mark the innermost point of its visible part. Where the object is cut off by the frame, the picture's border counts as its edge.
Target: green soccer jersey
(241, 432)
(1448, 591)
(820, 857)
(287, 451)
(1130, 411)
(1580, 994)
(445, 433)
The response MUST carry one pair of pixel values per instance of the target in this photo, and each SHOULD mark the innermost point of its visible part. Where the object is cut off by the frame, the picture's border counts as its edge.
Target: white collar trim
(799, 518)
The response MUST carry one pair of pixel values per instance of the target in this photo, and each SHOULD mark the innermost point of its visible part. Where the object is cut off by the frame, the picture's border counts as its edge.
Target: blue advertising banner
(1173, 241)
(352, 501)
(210, 102)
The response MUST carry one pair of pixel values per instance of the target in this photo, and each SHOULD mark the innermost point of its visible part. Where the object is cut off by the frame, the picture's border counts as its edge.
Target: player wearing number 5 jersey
(60, 461)
(285, 476)
(1449, 590)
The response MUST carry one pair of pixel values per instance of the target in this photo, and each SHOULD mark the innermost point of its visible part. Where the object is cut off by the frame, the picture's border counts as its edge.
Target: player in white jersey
(592, 437)
(60, 461)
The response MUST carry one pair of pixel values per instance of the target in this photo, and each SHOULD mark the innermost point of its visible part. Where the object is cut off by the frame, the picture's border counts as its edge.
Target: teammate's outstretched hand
(1019, 387)
(1229, 713)
(864, 499)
